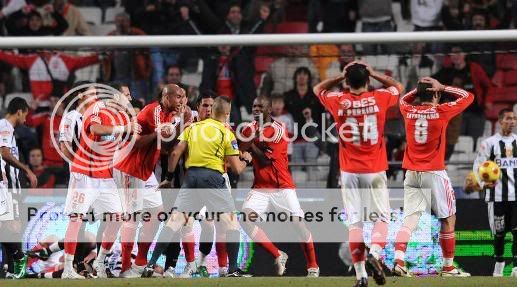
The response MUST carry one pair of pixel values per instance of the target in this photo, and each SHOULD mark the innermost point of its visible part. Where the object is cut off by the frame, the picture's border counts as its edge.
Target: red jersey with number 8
(360, 124)
(426, 129)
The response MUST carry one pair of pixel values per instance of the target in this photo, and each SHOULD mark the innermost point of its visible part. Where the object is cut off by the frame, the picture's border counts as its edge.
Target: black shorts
(204, 187)
(502, 216)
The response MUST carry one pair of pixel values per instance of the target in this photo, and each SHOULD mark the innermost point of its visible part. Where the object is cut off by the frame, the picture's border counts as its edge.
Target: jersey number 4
(369, 131)
(421, 126)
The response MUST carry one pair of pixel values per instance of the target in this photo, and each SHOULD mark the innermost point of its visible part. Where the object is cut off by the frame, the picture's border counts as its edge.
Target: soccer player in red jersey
(426, 184)
(360, 115)
(133, 170)
(91, 181)
(273, 186)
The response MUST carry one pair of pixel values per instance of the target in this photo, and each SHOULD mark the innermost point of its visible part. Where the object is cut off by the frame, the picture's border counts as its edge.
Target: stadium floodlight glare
(255, 39)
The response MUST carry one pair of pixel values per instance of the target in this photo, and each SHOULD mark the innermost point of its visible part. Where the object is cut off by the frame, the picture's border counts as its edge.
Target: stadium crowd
(242, 73)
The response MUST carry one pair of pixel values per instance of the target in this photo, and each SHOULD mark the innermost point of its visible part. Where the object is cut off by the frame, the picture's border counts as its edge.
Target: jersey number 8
(421, 126)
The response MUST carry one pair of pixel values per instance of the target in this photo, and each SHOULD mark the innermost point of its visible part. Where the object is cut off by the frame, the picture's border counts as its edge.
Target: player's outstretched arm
(9, 158)
(102, 130)
(327, 84)
(237, 164)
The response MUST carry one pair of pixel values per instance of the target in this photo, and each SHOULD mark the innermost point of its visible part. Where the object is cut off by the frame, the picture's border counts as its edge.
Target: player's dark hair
(503, 112)
(137, 104)
(357, 76)
(74, 95)
(300, 70)
(206, 94)
(17, 104)
(423, 94)
(118, 85)
(174, 66)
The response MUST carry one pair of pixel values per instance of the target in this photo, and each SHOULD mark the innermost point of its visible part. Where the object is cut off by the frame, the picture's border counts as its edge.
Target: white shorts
(6, 203)
(424, 190)
(284, 200)
(365, 192)
(152, 196)
(135, 193)
(85, 192)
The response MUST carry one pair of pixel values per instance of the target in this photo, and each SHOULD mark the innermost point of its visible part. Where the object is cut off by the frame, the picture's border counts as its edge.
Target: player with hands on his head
(426, 184)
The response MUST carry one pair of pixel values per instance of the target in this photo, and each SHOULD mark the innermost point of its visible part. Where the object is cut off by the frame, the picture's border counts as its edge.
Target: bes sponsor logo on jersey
(360, 107)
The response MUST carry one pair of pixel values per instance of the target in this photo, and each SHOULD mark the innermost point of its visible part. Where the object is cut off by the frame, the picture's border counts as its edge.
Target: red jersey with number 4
(94, 156)
(426, 129)
(360, 124)
(273, 142)
(140, 161)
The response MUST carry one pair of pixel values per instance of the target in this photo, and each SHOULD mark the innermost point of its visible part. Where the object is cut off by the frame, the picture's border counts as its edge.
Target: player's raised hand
(435, 85)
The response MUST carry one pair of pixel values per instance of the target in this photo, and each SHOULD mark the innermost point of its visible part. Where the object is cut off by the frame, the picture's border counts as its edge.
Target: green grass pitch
(264, 282)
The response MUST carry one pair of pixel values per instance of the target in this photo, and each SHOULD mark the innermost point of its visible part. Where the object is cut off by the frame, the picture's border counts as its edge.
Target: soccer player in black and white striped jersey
(501, 195)
(17, 111)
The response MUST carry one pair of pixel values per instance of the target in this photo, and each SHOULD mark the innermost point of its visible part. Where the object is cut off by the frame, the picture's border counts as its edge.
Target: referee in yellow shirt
(208, 144)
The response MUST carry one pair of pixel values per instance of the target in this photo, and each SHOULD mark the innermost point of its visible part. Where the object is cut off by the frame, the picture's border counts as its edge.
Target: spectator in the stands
(453, 15)
(416, 66)
(189, 22)
(29, 22)
(234, 24)
(77, 25)
(279, 77)
(426, 15)
(280, 114)
(131, 66)
(473, 79)
(346, 55)
(158, 18)
(332, 16)
(277, 11)
(11, 7)
(174, 76)
(376, 16)
(483, 52)
(50, 73)
(229, 72)
(305, 108)
(46, 178)
(47, 127)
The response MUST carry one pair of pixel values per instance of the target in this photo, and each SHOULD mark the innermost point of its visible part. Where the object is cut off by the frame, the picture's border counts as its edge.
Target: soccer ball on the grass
(489, 171)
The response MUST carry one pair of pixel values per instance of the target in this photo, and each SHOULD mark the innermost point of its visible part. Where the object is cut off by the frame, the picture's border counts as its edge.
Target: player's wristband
(169, 175)
(119, 129)
(248, 162)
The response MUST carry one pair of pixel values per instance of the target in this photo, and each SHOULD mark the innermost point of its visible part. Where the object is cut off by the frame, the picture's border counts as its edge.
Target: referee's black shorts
(502, 216)
(204, 187)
